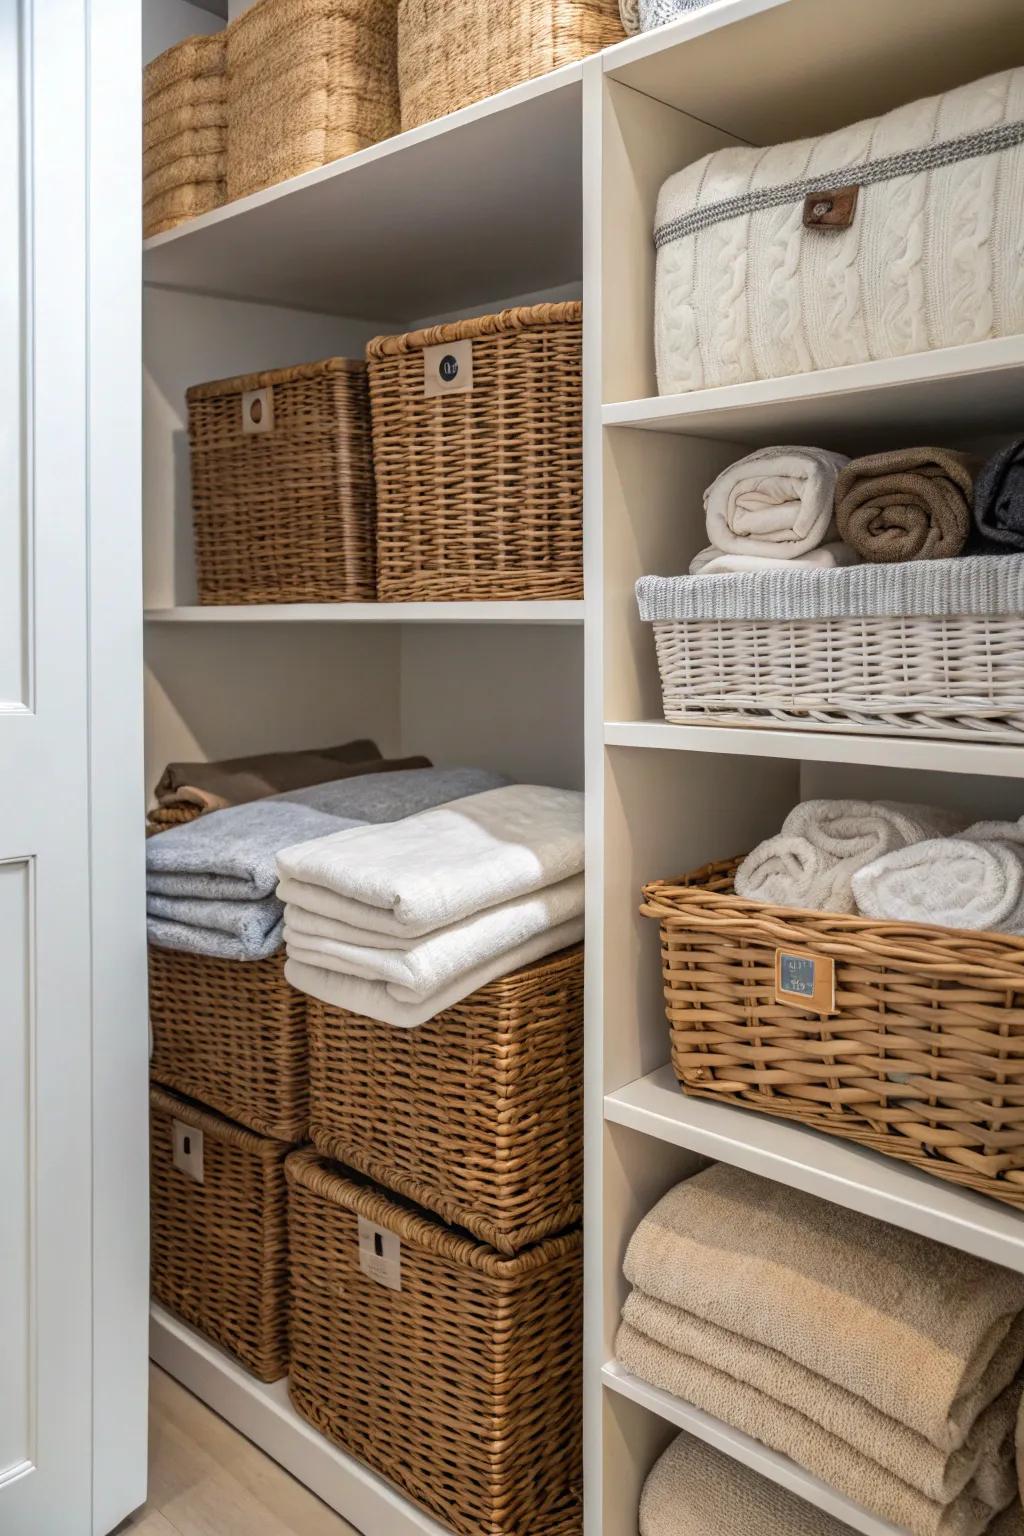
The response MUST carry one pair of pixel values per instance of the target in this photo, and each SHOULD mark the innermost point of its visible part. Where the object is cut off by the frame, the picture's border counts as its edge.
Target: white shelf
(772, 70)
(265, 1415)
(779, 1469)
(993, 759)
(374, 613)
(821, 1165)
(953, 391)
(484, 203)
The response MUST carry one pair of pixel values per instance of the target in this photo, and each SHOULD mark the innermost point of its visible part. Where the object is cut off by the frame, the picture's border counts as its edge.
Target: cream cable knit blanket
(776, 503)
(932, 258)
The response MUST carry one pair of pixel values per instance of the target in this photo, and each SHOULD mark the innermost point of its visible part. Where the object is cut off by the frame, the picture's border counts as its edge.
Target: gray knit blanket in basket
(976, 585)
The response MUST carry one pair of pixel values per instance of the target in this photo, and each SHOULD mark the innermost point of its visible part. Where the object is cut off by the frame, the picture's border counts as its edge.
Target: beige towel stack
(184, 125)
(885, 1364)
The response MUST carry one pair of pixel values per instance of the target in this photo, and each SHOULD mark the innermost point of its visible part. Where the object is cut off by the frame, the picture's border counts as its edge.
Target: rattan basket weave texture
(463, 1386)
(283, 514)
(476, 1115)
(453, 52)
(923, 1058)
(233, 1035)
(480, 494)
(184, 125)
(308, 82)
(219, 1248)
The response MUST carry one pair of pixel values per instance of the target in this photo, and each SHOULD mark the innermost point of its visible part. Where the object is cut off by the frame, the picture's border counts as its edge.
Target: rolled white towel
(973, 880)
(811, 863)
(827, 557)
(776, 503)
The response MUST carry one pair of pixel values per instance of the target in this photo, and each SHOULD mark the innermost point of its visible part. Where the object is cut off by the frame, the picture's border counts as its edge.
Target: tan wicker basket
(308, 82)
(453, 52)
(476, 1115)
(184, 119)
(922, 1058)
(283, 514)
(462, 1385)
(219, 1242)
(480, 493)
(233, 1035)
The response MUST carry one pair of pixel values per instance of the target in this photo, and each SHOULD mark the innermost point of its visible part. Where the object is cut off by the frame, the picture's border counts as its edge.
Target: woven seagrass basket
(476, 1115)
(282, 485)
(219, 1234)
(232, 1034)
(184, 124)
(453, 52)
(462, 1383)
(922, 1057)
(480, 491)
(308, 82)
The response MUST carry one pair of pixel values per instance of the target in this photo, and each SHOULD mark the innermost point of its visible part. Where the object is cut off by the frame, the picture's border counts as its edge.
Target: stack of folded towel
(775, 504)
(210, 884)
(398, 923)
(887, 1365)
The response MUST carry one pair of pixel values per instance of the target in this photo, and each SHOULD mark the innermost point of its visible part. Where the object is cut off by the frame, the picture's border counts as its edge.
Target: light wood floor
(205, 1479)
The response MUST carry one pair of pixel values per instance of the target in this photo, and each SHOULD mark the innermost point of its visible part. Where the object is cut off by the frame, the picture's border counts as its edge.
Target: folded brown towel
(926, 1334)
(1010, 1522)
(797, 1436)
(914, 504)
(694, 1489)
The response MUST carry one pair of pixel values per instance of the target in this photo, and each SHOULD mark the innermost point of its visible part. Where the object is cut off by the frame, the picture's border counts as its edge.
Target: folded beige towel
(925, 1333)
(805, 1442)
(986, 1457)
(694, 1489)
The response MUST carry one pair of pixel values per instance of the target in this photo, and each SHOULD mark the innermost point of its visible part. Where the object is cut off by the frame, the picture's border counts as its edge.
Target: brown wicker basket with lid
(308, 82)
(219, 1241)
(453, 52)
(232, 1034)
(922, 1058)
(282, 485)
(480, 492)
(462, 1386)
(184, 126)
(476, 1115)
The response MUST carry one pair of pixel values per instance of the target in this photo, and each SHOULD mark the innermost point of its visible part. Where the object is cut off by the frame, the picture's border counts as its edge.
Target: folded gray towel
(209, 875)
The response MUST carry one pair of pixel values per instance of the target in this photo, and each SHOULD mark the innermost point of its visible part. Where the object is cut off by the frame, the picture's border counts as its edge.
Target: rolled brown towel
(913, 504)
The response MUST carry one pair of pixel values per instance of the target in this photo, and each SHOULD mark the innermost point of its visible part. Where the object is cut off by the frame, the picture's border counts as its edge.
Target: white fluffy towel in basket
(894, 236)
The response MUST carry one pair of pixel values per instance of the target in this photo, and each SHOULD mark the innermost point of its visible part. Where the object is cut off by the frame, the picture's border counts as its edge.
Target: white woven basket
(932, 648)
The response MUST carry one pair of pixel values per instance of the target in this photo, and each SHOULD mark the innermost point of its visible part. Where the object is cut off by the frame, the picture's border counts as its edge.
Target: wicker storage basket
(462, 1384)
(219, 1241)
(184, 118)
(928, 648)
(922, 1058)
(476, 1115)
(233, 1035)
(453, 52)
(283, 514)
(480, 493)
(308, 82)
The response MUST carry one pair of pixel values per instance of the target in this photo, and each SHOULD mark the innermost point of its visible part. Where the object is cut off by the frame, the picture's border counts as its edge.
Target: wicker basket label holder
(463, 1387)
(219, 1243)
(923, 1058)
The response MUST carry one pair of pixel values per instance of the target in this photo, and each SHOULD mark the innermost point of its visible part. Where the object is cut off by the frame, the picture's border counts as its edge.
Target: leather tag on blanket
(835, 209)
(805, 980)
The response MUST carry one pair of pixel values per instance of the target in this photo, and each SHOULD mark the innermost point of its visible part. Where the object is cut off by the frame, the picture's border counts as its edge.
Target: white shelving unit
(547, 191)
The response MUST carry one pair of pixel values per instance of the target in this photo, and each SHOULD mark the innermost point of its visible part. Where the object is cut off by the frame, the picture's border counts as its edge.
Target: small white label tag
(380, 1254)
(188, 1150)
(257, 411)
(448, 370)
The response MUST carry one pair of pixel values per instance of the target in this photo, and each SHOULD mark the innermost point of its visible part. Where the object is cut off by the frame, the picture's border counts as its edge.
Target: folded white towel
(377, 1000)
(420, 968)
(827, 557)
(433, 869)
(973, 880)
(811, 863)
(776, 503)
